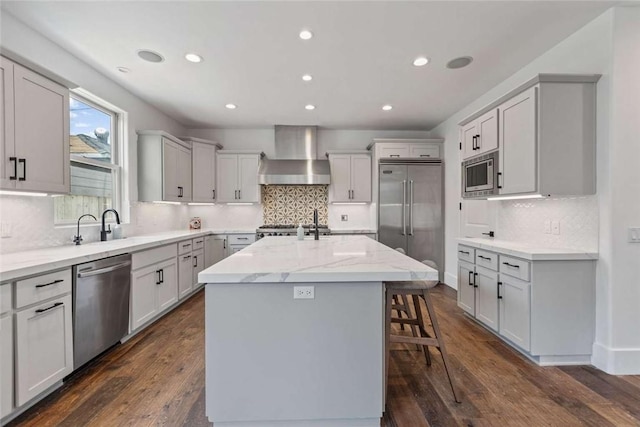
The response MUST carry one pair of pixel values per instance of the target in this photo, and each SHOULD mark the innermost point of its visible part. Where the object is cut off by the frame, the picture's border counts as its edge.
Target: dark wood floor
(157, 378)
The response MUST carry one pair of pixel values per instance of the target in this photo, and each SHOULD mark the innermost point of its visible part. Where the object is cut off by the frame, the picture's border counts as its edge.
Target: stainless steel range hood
(296, 161)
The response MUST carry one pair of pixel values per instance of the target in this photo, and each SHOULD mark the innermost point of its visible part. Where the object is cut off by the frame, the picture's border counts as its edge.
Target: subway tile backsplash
(294, 204)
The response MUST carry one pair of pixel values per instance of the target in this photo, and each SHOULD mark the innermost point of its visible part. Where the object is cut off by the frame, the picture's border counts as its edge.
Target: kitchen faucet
(316, 232)
(103, 231)
(78, 238)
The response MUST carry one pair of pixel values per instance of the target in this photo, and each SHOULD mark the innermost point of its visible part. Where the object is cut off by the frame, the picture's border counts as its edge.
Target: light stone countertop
(354, 231)
(330, 259)
(527, 251)
(27, 263)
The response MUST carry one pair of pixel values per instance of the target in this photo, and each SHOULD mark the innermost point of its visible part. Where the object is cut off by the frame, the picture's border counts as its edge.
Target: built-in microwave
(480, 176)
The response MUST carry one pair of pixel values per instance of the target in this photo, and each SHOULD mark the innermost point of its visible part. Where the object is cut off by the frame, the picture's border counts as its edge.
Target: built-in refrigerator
(410, 208)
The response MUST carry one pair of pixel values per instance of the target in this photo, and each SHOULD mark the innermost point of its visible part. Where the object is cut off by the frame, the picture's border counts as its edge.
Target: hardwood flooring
(157, 379)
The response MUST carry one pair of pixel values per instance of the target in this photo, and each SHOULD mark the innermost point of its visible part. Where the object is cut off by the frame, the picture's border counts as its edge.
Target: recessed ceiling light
(193, 57)
(461, 62)
(307, 77)
(123, 69)
(387, 107)
(420, 61)
(310, 107)
(306, 34)
(231, 106)
(151, 56)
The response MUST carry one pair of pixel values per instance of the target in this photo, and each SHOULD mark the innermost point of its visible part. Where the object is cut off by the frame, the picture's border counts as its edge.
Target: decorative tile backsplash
(294, 204)
(524, 221)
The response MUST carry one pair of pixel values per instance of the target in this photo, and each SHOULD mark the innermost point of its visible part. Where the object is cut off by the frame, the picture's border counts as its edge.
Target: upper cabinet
(164, 167)
(237, 176)
(406, 148)
(203, 161)
(34, 127)
(480, 135)
(350, 177)
(546, 136)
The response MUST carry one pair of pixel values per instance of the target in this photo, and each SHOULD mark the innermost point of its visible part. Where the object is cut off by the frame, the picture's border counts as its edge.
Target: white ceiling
(360, 56)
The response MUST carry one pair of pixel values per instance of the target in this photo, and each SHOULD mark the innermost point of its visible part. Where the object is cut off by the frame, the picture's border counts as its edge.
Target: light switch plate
(303, 292)
(634, 234)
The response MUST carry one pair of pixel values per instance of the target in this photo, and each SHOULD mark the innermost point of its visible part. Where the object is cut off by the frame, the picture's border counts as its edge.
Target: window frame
(117, 134)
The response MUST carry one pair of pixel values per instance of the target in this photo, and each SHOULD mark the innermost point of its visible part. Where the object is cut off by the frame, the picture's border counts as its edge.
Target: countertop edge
(534, 254)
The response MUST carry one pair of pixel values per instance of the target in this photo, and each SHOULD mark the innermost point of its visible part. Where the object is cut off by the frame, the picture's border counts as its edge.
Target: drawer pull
(464, 252)
(511, 265)
(198, 241)
(394, 155)
(186, 257)
(49, 284)
(187, 245)
(484, 257)
(243, 238)
(42, 310)
(425, 155)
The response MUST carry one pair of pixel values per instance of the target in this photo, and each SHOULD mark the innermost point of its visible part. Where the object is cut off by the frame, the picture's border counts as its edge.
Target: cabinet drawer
(425, 151)
(153, 256)
(241, 239)
(5, 297)
(466, 253)
(515, 267)
(487, 259)
(394, 150)
(185, 247)
(43, 287)
(198, 243)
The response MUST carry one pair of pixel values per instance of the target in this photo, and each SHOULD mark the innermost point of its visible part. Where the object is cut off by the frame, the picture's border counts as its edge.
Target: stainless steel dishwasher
(100, 306)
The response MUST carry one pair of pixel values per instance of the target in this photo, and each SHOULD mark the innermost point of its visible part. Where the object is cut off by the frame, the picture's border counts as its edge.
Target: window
(95, 170)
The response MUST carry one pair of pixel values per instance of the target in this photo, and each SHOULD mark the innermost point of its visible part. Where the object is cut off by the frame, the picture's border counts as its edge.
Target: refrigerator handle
(411, 208)
(404, 207)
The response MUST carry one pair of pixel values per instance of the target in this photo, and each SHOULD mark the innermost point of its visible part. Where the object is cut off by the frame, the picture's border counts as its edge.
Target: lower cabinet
(215, 249)
(44, 347)
(515, 310)
(238, 242)
(466, 288)
(167, 289)
(198, 265)
(6, 364)
(486, 285)
(185, 275)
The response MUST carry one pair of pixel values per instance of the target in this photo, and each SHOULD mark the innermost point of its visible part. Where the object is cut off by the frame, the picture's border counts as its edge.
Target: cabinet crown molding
(164, 135)
(404, 141)
(192, 139)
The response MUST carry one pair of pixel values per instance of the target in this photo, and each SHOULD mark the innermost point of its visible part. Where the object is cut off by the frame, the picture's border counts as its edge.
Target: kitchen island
(272, 360)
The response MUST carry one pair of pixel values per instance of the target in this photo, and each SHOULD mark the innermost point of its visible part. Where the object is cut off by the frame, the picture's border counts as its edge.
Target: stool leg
(387, 340)
(421, 327)
(401, 300)
(440, 338)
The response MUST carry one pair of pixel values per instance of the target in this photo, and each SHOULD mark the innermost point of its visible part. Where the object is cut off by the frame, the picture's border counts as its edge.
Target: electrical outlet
(303, 292)
(547, 226)
(634, 234)
(344, 217)
(5, 229)
(555, 227)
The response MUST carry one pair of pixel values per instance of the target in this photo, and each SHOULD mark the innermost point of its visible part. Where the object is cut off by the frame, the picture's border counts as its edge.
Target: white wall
(31, 219)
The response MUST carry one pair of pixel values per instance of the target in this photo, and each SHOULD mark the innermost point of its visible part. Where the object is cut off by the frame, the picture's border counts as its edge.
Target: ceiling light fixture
(123, 69)
(461, 62)
(193, 57)
(307, 77)
(387, 107)
(310, 107)
(231, 106)
(306, 34)
(420, 61)
(150, 56)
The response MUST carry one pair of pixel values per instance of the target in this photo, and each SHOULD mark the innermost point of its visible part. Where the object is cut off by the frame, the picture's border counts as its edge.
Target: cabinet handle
(511, 265)
(179, 191)
(42, 310)
(499, 174)
(242, 238)
(158, 279)
(425, 155)
(464, 252)
(198, 241)
(478, 142)
(162, 275)
(15, 168)
(24, 169)
(195, 261)
(394, 155)
(184, 258)
(214, 194)
(473, 143)
(474, 280)
(239, 194)
(470, 278)
(186, 245)
(484, 257)
(224, 243)
(49, 284)
(498, 290)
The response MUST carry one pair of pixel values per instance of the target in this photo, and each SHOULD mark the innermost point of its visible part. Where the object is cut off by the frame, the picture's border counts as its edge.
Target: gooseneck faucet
(78, 238)
(103, 230)
(316, 232)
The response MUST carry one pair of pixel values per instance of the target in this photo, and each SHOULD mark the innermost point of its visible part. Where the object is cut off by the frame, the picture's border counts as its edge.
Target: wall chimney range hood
(296, 161)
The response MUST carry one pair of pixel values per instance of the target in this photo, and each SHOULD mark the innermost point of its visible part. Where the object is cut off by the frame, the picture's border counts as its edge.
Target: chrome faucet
(103, 231)
(78, 238)
(316, 232)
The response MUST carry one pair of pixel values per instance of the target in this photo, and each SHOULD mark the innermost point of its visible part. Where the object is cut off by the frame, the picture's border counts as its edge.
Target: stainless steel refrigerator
(410, 208)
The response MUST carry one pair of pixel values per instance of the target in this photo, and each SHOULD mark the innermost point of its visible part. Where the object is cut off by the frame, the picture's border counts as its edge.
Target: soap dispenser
(300, 231)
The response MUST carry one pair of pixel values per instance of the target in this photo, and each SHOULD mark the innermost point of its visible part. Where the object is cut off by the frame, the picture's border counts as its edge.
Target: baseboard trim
(616, 361)
(450, 280)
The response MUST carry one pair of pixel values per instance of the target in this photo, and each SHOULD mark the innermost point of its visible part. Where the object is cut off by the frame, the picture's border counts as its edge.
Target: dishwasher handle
(89, 273)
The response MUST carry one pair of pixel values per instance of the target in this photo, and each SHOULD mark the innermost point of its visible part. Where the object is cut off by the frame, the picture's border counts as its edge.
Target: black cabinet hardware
(15, 168)
(511, 265)
(184, 258)
(49, 284)
(473, 143)
(180, 189)
(243, 238)
(464, 252)
(195, 261)
(224, 243)
(475, 285)
(425, 155)
(42, 310)
(162, 275)
(490, 234)
(158, 278)
(477, 142)
(394, 155)
(24, 169)
(214, 194)
(498, 178)
(470, 278)
(498, 290)
(484, 257)
(186, 245)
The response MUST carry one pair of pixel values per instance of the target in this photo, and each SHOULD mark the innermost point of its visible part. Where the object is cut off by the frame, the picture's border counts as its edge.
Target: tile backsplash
(294, 204)
(525, 221)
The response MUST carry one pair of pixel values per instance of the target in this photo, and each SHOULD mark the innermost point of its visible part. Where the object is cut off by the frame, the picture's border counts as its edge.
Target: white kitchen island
(272, 360)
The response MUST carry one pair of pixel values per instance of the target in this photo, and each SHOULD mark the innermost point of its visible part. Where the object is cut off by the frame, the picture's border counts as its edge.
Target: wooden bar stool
(416, 289)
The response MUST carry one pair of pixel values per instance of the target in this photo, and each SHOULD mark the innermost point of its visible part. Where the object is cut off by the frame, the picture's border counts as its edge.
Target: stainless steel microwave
(480, 176)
